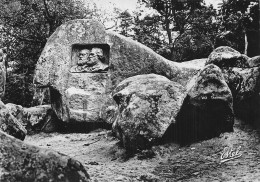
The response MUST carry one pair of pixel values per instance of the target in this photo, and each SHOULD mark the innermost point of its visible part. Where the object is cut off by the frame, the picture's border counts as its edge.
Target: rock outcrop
(208, 108)
(128, 70)
(9, 124)
(85, 96)
(22, 162)
(225, 56)
(148, 105)
(242, 75)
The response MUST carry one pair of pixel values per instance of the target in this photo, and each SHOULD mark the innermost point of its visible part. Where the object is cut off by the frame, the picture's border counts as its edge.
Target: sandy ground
(106, 160)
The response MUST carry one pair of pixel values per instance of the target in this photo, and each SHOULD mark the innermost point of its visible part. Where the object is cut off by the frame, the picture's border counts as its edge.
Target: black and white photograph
(129, 90)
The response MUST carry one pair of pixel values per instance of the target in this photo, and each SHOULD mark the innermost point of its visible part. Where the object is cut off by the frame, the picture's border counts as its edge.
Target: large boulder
(208, 108)
(79, 94)
(9, 124)
(225, 56)
(148, 105)
(22, 162)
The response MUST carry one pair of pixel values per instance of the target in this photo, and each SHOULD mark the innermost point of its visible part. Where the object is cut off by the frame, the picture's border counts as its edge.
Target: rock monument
(95, 75)
(82, 63)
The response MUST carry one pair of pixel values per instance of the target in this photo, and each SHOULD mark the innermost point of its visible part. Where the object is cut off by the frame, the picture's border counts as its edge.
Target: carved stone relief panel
(90, 58)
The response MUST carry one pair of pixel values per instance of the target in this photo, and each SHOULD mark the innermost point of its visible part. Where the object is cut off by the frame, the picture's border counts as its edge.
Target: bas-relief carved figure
(90, 61)
(2, 71)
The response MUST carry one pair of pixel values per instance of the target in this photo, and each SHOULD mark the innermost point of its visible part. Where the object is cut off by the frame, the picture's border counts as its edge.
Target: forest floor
(106, 160)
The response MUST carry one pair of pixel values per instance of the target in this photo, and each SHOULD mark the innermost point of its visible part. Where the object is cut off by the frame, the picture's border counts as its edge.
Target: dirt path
(107, 161)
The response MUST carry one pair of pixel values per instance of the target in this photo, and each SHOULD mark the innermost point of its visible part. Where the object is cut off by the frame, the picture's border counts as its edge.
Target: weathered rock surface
(245, 87)
(225, 56)
(22, 162)
(35, 119)
(196, 63)
(242, 75)
(208, 108)
(148, 104)
(254, 61)
(86, 96)
(9, 124)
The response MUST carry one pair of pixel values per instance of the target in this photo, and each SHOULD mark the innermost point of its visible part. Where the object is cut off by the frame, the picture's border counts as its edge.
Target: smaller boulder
(225, 56)
(148, 105)
(22, 162)
(208, 108)
(245, 87)
(9, 124)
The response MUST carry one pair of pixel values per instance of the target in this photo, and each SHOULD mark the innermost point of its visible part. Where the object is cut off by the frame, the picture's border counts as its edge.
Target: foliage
(26, 26)
(148, 31)
(199, 28)
(236, 13)
(125, 24)
(198, 39)
(193, 23)
(192, 45)
(239, 19)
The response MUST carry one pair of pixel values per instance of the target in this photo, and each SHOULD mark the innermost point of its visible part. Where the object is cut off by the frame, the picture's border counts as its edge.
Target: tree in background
(188, 29)
(148, 31)
(240, 25)
(126, 24)
(144, 25)
(193, 23)
(199, 35)
(25, 28)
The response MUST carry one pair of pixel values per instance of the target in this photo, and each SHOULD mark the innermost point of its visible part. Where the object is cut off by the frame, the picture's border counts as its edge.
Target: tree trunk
(246, 44)
(169, 32)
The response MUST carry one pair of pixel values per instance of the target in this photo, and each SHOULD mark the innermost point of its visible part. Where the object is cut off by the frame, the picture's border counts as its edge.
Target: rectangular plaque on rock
(90, 58)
